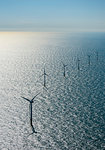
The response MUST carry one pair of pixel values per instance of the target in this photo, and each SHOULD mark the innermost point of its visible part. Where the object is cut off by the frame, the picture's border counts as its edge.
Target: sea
(69, 111)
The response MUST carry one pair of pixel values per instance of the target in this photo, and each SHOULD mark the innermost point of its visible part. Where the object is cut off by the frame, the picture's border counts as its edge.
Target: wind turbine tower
(89, 60)
(78, 64)
(64, 69)
(44, 77)
(30, 107)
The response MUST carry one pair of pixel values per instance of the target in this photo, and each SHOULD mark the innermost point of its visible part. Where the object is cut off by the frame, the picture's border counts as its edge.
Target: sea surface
(69, 113)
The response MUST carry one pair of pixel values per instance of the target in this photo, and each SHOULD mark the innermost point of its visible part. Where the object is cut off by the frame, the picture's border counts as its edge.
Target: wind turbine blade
(25, 98)
(46, 74)
(63, 64)
(29, 109)
(35, 96)
(41, 76)
(45, 88)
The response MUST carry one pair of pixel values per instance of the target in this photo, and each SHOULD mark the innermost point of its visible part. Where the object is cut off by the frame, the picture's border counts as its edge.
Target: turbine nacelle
(78, 59)
(64, 65)
(32, 100)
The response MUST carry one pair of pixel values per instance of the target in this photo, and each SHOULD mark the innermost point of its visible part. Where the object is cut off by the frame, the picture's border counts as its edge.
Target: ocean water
(69, 114)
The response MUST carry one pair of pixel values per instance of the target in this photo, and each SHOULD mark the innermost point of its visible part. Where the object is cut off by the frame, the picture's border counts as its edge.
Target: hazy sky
(52, 15)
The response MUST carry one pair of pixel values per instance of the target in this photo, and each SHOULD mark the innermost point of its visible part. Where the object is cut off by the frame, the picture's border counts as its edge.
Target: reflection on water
(69, 114)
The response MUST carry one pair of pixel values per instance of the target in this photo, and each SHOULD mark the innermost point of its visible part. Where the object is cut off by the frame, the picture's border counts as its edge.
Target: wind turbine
(44, 79)
(78, 64)
(64, 66)
(89, 60)
(30, 107)
(97, 55)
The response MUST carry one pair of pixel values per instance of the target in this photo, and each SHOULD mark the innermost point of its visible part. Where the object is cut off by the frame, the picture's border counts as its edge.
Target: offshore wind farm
(52, 75)
(68, 112)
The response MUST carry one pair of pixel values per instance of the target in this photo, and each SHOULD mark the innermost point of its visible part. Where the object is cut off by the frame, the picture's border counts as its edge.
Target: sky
(52, 15)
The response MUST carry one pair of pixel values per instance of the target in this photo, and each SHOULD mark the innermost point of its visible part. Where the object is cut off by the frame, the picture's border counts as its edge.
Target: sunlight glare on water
(70, 113)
